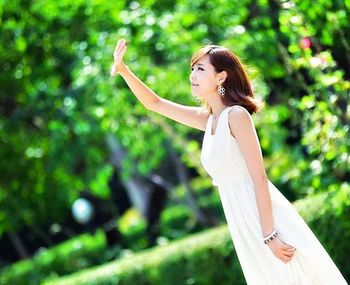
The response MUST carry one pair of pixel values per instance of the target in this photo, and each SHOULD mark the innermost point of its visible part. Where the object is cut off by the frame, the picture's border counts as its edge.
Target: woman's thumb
(113, 70)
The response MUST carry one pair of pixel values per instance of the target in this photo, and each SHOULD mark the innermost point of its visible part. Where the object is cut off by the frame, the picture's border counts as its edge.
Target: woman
(273, 243)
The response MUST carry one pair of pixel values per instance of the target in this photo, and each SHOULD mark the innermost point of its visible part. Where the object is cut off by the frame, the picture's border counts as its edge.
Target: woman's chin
(195, 94)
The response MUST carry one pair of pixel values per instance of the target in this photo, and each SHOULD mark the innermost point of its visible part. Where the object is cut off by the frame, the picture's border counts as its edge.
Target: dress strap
(230, 107)
(226, 123)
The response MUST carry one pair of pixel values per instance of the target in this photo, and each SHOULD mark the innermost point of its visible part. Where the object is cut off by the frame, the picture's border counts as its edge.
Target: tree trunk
(18, 245)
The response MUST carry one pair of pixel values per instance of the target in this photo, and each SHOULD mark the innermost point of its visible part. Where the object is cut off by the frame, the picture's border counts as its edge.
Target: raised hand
(118, 55)
(281, 250)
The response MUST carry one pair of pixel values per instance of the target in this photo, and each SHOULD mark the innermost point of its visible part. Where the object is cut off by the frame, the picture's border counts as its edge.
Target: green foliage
(85, 250)
(177, 221)
(80, 252)
(58, 104)
(327, 215)
(196, 259)
(181, 262)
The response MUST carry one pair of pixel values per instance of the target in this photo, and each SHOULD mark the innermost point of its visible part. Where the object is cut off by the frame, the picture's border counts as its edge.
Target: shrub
(80, 252)
(204, 258)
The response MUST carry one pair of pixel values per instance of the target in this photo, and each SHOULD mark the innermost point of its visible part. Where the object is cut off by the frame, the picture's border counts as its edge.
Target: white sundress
(222, 158)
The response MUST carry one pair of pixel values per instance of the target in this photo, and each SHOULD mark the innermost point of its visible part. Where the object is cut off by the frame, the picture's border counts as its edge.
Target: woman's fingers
(287, 256)
(289, 250)
(287, 253)
(288, 246)
(285, 260)
(119, 47)
(116, 48)
(123, 50)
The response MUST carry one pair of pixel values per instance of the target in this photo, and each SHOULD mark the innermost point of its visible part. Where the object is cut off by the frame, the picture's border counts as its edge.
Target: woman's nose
(192, 76)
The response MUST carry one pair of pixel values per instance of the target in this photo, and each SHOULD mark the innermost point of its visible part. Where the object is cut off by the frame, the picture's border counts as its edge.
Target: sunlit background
(95, 189)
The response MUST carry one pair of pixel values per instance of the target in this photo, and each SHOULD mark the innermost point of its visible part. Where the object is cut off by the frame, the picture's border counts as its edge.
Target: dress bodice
(221, 155)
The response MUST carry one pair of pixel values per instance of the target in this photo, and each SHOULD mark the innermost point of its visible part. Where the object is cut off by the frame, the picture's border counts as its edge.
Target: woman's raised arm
(187, 115)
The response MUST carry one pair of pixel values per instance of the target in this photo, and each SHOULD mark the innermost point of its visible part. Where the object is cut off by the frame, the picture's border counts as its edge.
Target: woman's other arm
(242, 128)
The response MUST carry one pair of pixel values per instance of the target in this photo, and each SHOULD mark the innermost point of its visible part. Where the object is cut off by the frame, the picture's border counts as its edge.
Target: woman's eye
(199, 68)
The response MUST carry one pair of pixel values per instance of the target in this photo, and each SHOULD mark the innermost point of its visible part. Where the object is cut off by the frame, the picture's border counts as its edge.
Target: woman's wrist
(270, 237)
(123, 70)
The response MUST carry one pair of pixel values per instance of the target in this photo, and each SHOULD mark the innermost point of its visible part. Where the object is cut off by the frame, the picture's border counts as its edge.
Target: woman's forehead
(203, 61)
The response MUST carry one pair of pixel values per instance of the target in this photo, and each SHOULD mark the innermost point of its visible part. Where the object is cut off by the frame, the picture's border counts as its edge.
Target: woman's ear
(221, 77)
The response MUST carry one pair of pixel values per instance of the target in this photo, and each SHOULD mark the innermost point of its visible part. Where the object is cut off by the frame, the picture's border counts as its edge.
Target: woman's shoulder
(238, 111)
(239, 117)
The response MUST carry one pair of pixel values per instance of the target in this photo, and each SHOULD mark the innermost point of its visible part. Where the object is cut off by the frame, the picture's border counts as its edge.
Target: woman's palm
(118, 55)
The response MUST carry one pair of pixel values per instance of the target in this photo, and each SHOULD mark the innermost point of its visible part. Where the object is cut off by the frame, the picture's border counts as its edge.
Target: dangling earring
(221, 90)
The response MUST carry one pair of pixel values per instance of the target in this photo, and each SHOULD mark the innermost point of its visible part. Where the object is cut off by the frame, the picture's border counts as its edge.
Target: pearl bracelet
(270, 237)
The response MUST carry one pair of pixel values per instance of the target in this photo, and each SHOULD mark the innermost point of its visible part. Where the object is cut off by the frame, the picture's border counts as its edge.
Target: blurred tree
(58, 104)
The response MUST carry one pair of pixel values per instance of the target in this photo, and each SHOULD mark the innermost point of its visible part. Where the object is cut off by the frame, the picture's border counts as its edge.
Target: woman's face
(203, 78)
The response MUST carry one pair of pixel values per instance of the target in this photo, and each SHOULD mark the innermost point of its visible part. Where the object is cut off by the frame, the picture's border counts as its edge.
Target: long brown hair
(238, 89)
